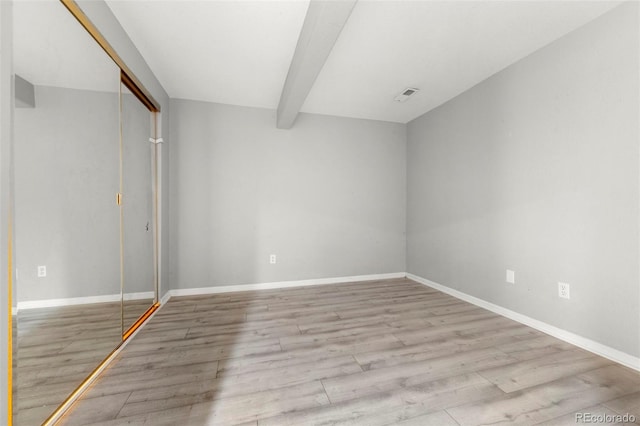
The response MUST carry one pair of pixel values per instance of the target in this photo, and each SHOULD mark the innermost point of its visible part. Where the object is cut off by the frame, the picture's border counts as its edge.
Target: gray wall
(66, 176)
(327, 197)
(536, 170)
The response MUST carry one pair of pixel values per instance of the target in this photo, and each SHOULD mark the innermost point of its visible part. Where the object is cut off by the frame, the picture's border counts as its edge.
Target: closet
(85, 207)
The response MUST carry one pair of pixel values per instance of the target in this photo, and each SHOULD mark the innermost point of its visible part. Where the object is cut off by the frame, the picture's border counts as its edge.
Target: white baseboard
(283, 284)
(577, 340)
(139, 295)
(165, 298)
(54, 303)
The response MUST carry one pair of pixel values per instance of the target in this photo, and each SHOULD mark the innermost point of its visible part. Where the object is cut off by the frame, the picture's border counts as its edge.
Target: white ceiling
(441, 47)
(238, 52)
(51, 48)
(233, 52)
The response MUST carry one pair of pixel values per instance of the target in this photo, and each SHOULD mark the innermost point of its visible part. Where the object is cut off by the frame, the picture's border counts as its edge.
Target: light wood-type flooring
(387, 352)
(58, 347)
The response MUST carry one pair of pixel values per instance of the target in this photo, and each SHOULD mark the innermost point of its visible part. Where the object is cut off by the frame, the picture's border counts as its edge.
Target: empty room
(309, 212)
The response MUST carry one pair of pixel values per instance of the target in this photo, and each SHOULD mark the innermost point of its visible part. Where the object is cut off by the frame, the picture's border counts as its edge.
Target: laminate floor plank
(391, 407)
(344, 302)
(528, 373)
(358, 385)
(378, 353)
(165, 417)
(219, 349)
(337, 325)
(232, 335)
(628, 404)
(461, 317)
(419, 306)
(43, 375)
(447, 345)
(295, 356)
(550, 400)
(253, 406)
(112, 384)
(98, 409)
(35, 415)
(56, 348)
(315, 338)
(600, 412)
(460, 328)
(299, 316)
(235, 385)
(534, 348)
(338, 342)
(439, 418)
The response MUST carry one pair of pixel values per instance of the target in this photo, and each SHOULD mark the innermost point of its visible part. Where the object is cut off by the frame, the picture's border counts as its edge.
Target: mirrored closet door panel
(138, 227)
(67, 230)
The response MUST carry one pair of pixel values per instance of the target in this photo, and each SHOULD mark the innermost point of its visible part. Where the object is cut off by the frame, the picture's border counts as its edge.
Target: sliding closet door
(66, 222)
(137, 208)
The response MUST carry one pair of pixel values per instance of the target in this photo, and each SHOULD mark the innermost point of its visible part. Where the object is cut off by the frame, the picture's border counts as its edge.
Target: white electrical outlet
(511, 276)
(564, 290)
(42, 271)
(272, 259)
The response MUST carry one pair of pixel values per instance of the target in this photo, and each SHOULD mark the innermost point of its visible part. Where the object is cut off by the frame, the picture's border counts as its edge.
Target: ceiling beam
(25, 93)
(322, 26)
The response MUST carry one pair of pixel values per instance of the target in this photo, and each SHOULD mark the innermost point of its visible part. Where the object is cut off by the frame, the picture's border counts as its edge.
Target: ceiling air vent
(406, 93)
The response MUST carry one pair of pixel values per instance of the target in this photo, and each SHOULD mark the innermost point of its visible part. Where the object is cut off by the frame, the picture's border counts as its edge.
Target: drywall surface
(536, 170)
(326, 197)
(66, 178)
